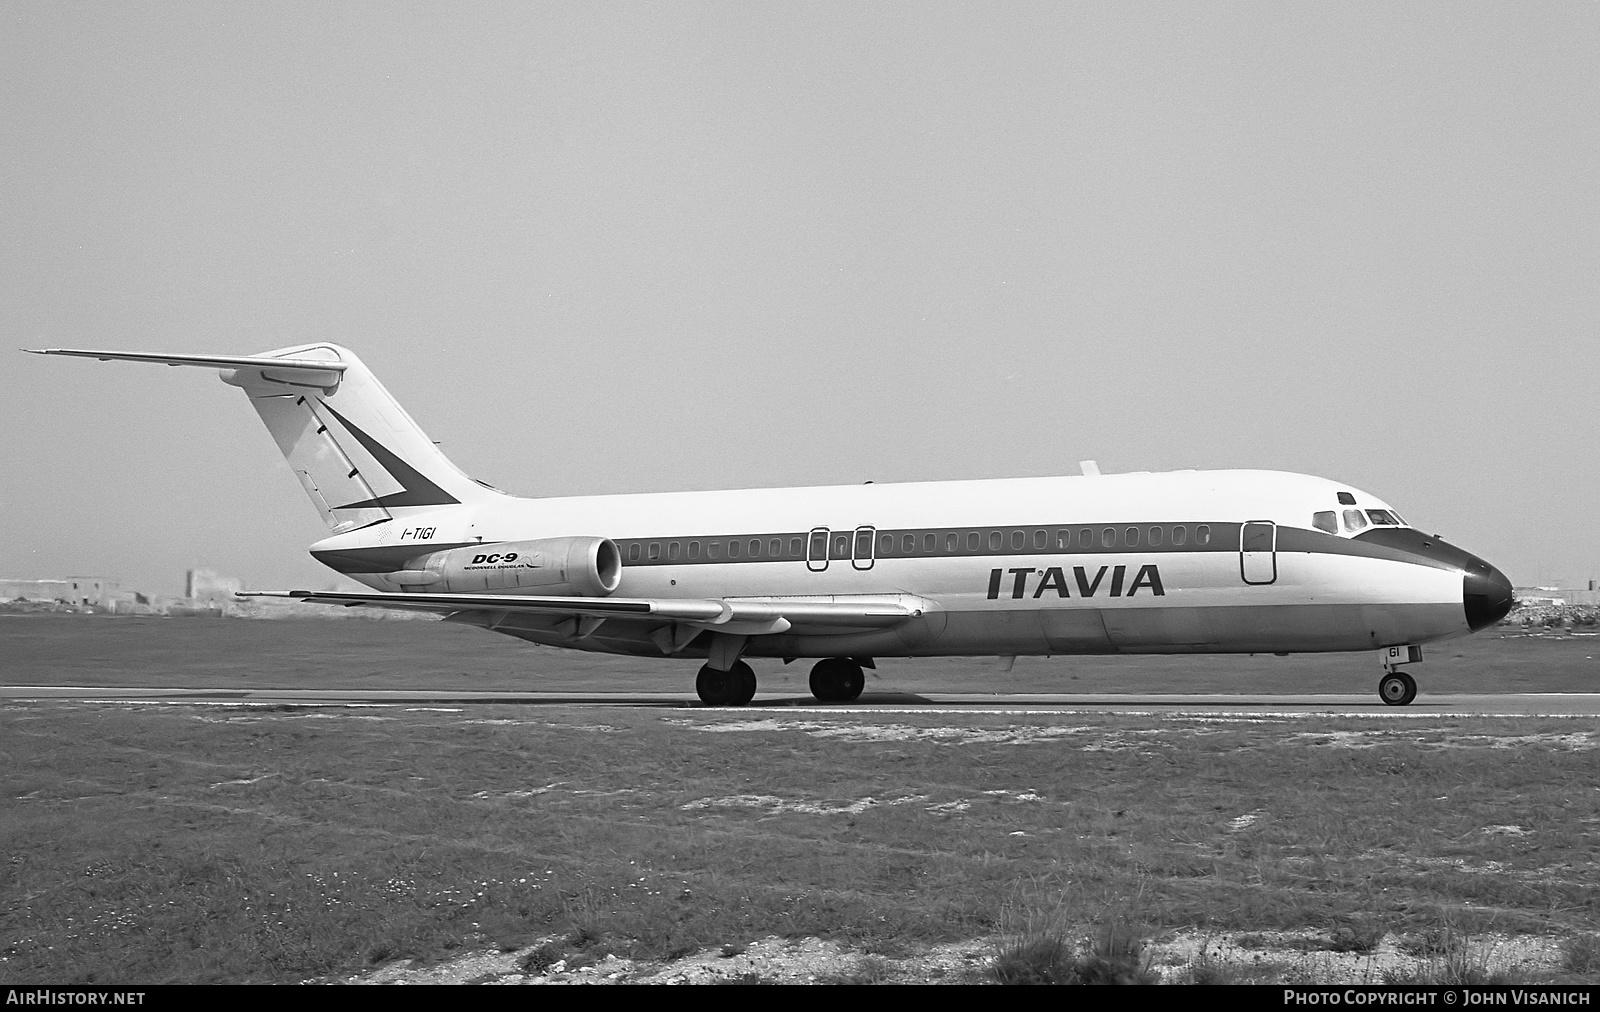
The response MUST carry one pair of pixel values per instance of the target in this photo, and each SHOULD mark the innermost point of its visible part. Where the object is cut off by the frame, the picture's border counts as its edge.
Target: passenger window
(775, 548)
(694, 549)
(1202, 534)
(886, 544)
(841, 546)
(733, 549)
(633, 552)
(930, 542)
(996, 539)
(1354, 521)
(1019, 539)
(794, 547)
(1041, 539)
(1132, 535)
(1383, 517)
(1325, 521)
(1063, 539)
(672, 550)
(1180, 534)
(755, 547)
(1086, 538)
(713, 549)
(655, 550)
(952, 544)
(1156, 536)
(819, 545)
(1108, 537)
(909, 543)
(972, 541)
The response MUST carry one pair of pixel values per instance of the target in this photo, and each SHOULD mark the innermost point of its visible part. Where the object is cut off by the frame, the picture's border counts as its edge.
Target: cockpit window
(1346, 499)
(1384, 517)
(1354, 521)
(1325, 521)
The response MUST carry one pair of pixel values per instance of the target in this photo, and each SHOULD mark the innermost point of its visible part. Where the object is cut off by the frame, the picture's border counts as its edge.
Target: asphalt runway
(1528, 704)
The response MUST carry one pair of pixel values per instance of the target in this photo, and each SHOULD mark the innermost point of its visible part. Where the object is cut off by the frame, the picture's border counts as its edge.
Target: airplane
(1182, 562)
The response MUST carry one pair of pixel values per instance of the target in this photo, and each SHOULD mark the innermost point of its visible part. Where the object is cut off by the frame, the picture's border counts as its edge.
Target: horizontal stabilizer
(202, 361)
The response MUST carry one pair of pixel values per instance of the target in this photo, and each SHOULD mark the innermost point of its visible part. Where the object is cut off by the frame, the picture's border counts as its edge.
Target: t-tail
(356, 451)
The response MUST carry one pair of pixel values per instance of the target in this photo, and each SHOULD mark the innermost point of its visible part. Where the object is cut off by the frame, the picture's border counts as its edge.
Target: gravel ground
(1267, 957)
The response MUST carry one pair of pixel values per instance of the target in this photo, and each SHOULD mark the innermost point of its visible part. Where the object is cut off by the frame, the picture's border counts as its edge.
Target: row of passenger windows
(927, 543)
(1354, 521)
(755, 548)
(1043, 539)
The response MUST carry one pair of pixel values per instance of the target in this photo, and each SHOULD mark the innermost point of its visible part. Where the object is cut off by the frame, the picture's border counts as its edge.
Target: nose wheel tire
(1397, 688)
(837, 680)
(734, 687)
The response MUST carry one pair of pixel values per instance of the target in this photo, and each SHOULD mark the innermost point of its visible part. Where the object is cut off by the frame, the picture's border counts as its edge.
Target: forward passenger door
(1258, 554)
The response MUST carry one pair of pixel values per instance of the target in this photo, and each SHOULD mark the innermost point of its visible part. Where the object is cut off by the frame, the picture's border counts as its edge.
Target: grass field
(239, 653)
(184, 843)
(206, 843)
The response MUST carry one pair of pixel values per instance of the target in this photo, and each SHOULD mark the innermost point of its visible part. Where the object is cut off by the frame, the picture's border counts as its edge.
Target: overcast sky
(635, 247)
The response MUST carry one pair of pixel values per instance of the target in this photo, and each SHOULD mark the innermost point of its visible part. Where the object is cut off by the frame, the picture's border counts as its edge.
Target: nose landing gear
(1396, 687)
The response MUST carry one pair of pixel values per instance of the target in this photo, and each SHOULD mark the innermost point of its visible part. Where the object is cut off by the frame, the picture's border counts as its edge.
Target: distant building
(203, 585)
(1555, 599)
(1539, 598)
(82, 591)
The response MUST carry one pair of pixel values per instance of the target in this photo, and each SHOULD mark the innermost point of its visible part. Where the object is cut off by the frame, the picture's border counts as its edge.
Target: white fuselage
(1192, 561)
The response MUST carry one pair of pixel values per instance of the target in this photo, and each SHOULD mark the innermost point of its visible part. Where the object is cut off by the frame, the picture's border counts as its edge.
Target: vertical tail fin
(356, 451)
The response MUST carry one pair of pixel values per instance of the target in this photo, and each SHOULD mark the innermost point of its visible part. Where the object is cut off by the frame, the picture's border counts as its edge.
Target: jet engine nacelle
(564, 567)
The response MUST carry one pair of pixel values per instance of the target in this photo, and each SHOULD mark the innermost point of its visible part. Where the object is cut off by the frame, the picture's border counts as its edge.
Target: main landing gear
(1396, 687)
(834, 680)
(734, 687)
(837, 680)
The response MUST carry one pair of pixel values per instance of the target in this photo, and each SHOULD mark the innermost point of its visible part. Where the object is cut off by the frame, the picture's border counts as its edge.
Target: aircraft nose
(1485, 594)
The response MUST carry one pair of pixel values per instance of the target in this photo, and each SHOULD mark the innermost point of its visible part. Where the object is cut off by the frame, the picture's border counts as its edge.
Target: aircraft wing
(752, 616)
